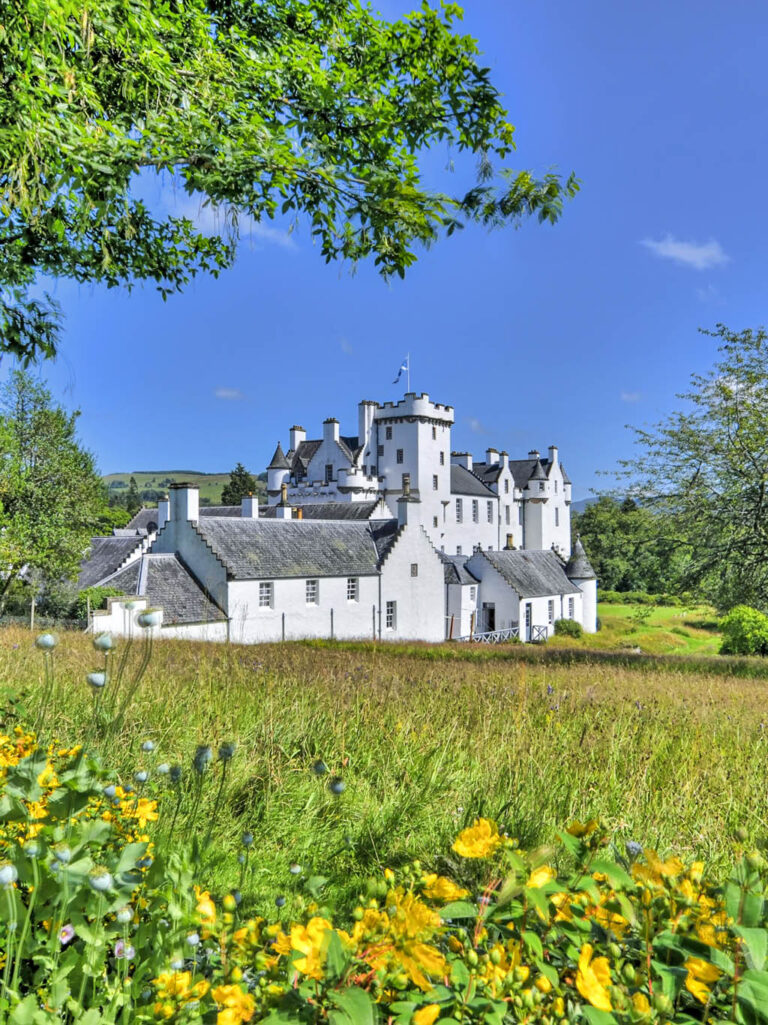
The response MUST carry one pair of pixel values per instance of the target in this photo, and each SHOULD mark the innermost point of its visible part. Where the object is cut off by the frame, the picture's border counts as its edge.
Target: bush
(101, 924)
(745, 632)
(98, 600)
(568, 628)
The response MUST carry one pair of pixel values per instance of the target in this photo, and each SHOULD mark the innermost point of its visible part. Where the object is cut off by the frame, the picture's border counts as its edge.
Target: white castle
(387, 534)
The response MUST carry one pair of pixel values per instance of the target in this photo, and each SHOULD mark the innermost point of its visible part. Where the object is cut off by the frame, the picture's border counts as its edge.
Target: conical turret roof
(279, 462)
(538, 471)
(578, 566)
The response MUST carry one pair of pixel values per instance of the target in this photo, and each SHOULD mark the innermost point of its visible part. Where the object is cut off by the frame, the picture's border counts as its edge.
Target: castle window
(475, 511)
(328, 473)
(550, 612)
(391, 615)
(490, 512)
(353, 590)
(459, 512)
(541, 485)
(399, 455)
(458, 550)
(434, 521)
(265, 594)
(506, 514)
(381, 450)
(571, 605)
(435, 482)
(434, 434)
(506, 487)
(557, 517)
(388, 433)
(313, 590)
(442, 458)
(473, 593)
(555, 487)
(414, 569)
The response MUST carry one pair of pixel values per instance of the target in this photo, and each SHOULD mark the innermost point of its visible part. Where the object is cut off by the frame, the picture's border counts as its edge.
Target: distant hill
(210, 484)
(582, 504)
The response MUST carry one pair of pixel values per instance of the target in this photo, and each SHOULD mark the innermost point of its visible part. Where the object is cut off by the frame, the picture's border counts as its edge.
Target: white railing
(493, 636)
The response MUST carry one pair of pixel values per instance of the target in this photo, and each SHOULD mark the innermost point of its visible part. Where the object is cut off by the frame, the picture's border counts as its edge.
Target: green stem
(216, 806)
(25, 927)
(11, 936)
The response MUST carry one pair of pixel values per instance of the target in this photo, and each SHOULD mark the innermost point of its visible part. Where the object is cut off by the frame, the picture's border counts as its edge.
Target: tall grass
(666, 758)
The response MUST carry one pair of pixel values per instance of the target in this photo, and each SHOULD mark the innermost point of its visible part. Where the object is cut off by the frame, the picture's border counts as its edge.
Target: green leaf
(336, 959)
(458, 909)
(752, 996)
(756, 943)
(24, 1013)
(597, 1017)
(355, 1007)
(618, 877)
(533, 943)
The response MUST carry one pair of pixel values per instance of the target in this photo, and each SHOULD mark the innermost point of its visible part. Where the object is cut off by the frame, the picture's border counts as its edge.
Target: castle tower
(278, 472)
(580, 572)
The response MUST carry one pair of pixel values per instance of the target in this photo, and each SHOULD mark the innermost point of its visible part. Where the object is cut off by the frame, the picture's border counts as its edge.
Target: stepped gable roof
(532, 574)
(220, 510)
(456, 571)
(165, 582)
(326, 510)
(384, 534)
(145, 519)
(464, 482)
(106, 555)
(578, 566)
(279, 462)
(256, 549)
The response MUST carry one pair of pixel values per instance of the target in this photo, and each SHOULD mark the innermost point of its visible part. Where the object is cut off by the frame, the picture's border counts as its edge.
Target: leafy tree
(241, 483)
(706, 470)
(286, 107)
(132, 498)
(625, 546)
(108, 518)
(49, 487)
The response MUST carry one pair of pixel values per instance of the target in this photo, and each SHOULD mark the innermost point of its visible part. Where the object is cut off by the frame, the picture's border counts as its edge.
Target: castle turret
(278, 472)
(579, 571)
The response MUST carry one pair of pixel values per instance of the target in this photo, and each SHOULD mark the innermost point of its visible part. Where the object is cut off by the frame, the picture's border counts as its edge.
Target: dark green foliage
(318, 111)
(97, 596)
(241, 483)
(568, 628)
(745, 632)
(132, 498)
(642, 598)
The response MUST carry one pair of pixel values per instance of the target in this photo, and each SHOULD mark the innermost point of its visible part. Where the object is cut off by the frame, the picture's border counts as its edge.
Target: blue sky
(537, 336)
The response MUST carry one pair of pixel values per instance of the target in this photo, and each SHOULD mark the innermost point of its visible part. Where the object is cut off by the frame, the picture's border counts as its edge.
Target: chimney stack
(297, 435)
(491, 456)
(184, 502)
(283, 511)
(163, 512)
(249, 507)
(331, 429)
(533, 454)
(462, 459)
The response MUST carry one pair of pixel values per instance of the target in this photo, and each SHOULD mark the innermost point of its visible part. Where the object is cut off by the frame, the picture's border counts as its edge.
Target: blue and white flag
(403, 366)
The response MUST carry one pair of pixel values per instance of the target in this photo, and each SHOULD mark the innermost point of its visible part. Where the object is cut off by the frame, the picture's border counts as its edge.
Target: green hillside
(210, 484)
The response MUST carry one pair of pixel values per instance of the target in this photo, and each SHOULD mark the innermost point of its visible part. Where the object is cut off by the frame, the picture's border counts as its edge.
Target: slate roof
(456, 571)
(279, 462)
(464, 482)
(144, 519)
(166, 583)
(220, 510)
(489, 473)
(326, 510)
(532, 574)
(301, 458)
(261, 549)
(578, 566)
(107, 554)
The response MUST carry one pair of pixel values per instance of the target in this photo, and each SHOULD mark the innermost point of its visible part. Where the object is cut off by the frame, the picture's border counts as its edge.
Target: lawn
(671, 760)
(656, 630)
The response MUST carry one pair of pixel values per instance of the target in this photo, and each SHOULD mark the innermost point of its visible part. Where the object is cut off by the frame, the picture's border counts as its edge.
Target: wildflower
(237, 1005)
(141, 776)
(125, 915)
(337, 786)
(581, 829)
(8, 873)
(426, 1015)
(31, 849)
(439, 888)
(103, 642)
(640, 1003)
(163, 769)
(205, 907)
(124, 950)
(247, 839)
(193, 939)
(479, 840)
(48, 778)
(97, 680)
(280, 901)
(226, 751)
(202, 758)
(295, 869)
(175, 773)
(319, 767)
(100, 880)
(144, 812)
(62, 853)
(148, 745)
(66, 934)
(110, 791)
(593, 979)
(633, 849)
(46, 642)
(701, 976)
(309, 941)
(540, 877)
(150, 617)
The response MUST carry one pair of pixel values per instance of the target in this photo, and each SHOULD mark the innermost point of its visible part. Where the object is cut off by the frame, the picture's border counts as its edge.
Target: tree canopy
(261, 107)
(705, 471)
(50, 492)
(240, 484)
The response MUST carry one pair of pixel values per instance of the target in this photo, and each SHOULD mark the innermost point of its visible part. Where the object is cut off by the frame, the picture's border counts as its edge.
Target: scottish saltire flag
(403, 366)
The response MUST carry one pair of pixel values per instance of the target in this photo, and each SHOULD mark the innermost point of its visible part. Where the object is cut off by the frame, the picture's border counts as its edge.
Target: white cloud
(228, 394)
(346, 347)
(630, 396)
(219, 220)
(476, 426)
(699, 255)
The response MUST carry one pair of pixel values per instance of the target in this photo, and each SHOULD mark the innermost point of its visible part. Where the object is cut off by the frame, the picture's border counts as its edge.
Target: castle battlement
(415, 405)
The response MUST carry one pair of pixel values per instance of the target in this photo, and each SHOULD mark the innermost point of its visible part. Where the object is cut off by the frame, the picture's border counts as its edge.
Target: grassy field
(210, 484)
(673, 760)
(657, 630)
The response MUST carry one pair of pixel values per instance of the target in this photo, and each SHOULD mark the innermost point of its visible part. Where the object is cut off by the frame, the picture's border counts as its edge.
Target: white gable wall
(420, 599)
(180, 537)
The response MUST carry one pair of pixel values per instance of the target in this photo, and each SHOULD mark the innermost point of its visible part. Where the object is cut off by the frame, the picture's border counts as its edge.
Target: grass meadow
(423, 745)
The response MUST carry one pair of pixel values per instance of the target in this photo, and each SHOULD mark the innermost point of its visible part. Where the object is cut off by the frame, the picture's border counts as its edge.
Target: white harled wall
(420, 599)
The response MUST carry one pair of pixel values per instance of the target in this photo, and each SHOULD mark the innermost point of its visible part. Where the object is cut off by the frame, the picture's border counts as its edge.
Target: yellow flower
(205, 907)
(580, 829)
(479, 840)
(593, 979)
(426, 1015)
(237, 1005)
(309, 940)
(439, 888)
(48, 778)
(701, 975)
(145, 811)
(640, 1003)
(540, 877)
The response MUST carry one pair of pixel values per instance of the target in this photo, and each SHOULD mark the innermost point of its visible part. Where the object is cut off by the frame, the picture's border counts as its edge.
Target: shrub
(97, 597)
(568, 628)
(745, 632)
